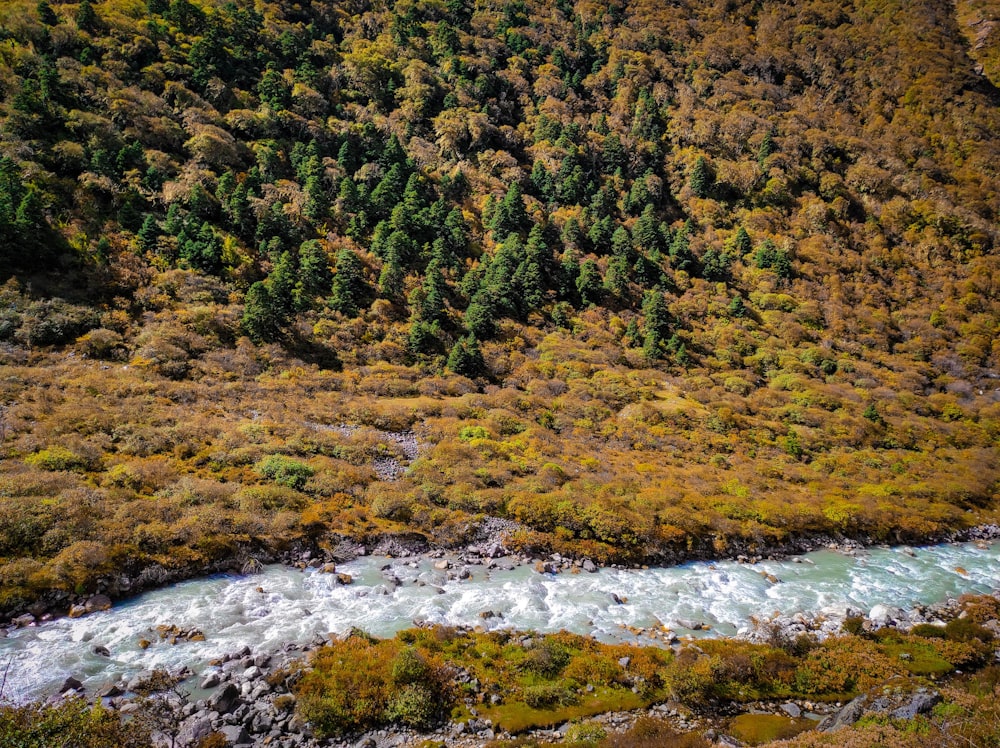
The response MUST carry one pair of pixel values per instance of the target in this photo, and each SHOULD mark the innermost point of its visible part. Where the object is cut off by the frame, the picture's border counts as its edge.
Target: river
(281, 605)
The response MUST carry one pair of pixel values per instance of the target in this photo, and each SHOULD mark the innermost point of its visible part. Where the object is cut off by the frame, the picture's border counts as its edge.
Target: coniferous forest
(650, 281)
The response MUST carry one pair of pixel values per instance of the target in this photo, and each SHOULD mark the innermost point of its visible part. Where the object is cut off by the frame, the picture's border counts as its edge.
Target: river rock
(441, 565)
(235, 735)
(97, 602)
(884, 615)
(589, 566)
(196, 729)
(329, 568)
(101, 651)
(791, 709)
(26, 620)
(211, 680)
(846, 716)
(75, 611)
(71, 684)
(225, 699)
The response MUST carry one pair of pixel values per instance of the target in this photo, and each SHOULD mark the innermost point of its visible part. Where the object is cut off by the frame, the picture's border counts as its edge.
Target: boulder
(75, 611)
(195, 730)
(101, 651)
(71, 684)
(235, 734)
(791, 709)
(211, 680)
(225, 699)
(589, 566)
(97, 602)
(26, 620)
(847, 716)
(918, 703)
(441, 565)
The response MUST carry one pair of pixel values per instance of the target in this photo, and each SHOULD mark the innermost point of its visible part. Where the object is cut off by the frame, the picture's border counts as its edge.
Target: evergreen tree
(480, 318)
(45, 13)
(616, 279)
(387, 192)
(349, 287)
(715, 265)
(317, 204)
(29, 218)
(259, 320)
(681, 257)
(86, 16)
(737, 308)
(741, 243)
(767, 147)
(432, 306)
(510, 215)
(424, 337)
(314, 278)
(466, 359)
(281, 286)
(390, 279)
(646, 234)
(701, 178)
(146, 239)
(656, 324)
(589, 285)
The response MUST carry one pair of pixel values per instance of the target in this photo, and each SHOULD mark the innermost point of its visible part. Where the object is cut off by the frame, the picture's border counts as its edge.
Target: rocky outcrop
(898, 704)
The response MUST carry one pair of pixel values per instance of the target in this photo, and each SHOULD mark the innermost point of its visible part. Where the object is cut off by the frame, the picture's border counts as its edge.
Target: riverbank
(260, 697)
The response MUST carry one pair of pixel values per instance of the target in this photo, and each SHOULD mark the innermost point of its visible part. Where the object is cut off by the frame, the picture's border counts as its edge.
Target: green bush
(546, 695)
(285, 471)
(56, 458)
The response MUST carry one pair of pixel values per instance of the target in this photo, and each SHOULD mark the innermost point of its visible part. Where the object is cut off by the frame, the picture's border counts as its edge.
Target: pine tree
(432, 305)
(86, 16)
(616, 279)
(646, 234)
(700, 180)
(349, 287)
(259, 320)
(510, 215)
(767, 147)
(656, 324)
(480, 318)
(281, 286)
(146, 239)
(317, 204)
(589, 284)
(314, 279)
(681, 257)
(466, 359)
(45, 13)
(390, 279)
(742, 245)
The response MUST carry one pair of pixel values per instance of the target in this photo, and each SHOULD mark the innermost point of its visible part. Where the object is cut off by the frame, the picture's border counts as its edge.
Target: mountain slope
(651, 281)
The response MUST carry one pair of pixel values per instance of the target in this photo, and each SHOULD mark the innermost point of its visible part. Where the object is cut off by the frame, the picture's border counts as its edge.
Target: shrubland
(653, 281)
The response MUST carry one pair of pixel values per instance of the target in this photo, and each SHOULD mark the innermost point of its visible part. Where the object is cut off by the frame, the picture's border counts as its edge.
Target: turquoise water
(297, 606)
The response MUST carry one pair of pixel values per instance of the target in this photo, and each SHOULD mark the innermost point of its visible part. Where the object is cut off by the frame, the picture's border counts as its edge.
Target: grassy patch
(757, 729)
(517, 716)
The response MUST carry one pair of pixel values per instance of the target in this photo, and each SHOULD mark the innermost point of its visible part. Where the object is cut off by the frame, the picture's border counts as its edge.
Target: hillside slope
(650, 281)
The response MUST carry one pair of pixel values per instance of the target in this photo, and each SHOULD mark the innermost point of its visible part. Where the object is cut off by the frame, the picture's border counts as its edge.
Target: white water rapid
(296, 606)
